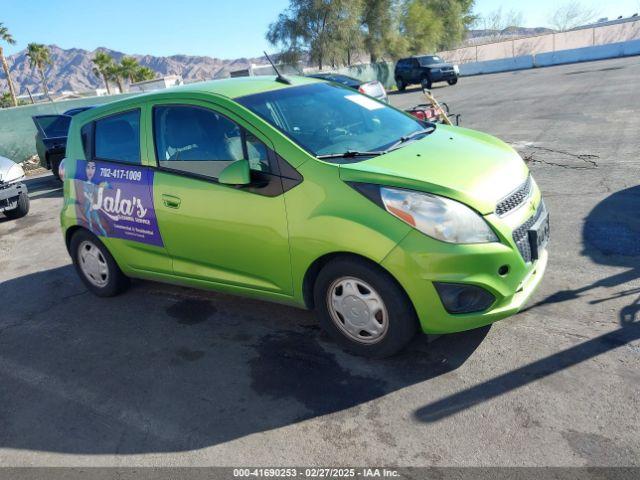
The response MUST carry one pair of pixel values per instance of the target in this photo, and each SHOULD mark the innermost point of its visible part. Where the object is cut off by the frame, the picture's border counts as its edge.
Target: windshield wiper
(375, 153)
(406, 138)
(351, 154)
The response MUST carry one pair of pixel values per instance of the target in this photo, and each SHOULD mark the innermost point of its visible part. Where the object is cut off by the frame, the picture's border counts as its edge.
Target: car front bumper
(443, 76)
(418, 262)
(9, 194)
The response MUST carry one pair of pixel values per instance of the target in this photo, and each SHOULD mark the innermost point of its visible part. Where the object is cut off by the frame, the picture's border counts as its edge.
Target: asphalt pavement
(171, 376)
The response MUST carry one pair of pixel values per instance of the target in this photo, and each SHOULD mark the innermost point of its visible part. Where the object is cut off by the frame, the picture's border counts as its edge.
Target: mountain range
(72, 69)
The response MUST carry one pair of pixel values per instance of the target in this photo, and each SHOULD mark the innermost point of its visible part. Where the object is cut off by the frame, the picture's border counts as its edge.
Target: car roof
(339, 78)
(421, 56)
(229, 87)
(332, 75)
(76, 110)
(242, 86)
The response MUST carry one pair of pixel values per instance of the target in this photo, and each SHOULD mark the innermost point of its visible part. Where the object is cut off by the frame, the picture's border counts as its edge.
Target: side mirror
(236, 173)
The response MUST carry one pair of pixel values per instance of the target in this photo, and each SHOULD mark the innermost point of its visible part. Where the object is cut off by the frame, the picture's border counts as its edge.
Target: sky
(216, 28)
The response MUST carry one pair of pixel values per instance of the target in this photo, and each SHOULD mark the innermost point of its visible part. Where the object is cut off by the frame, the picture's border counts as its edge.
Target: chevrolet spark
(307, 193)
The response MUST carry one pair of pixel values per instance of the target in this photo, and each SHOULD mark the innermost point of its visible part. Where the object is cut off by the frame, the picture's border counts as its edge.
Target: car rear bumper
(9, 194)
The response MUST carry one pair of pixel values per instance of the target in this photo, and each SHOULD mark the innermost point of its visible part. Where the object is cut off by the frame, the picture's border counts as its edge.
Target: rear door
(113, 191)
(416, 71)
(403, 70)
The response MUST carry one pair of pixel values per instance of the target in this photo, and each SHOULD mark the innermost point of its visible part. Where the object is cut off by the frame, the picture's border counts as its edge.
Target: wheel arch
(70, 232)
(318, 264)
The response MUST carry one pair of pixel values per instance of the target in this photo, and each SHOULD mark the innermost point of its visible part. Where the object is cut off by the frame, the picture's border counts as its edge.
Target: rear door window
(117, 137)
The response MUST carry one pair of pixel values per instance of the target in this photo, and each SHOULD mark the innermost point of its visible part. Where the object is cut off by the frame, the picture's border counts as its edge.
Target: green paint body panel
(224, 238)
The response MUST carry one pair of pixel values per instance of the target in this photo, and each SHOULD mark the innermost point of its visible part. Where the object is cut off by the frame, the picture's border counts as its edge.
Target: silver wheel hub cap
(93, 264)
(357, 310)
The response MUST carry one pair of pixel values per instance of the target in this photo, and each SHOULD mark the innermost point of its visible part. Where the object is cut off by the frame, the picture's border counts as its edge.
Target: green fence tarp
(382, 71)
(17, 130)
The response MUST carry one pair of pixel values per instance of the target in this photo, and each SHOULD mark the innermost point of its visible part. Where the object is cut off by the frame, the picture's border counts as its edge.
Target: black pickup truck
(424, 70)
(51, 137)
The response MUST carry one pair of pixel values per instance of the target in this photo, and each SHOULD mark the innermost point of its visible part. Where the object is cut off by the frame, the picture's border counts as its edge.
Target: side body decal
(116, 201)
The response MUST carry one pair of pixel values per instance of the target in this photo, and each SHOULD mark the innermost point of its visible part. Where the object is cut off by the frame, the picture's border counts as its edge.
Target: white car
(14, 199)
(373, 88)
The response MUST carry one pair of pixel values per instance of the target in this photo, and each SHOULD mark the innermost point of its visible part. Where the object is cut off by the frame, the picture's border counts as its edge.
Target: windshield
(429, 60)
(325, 119)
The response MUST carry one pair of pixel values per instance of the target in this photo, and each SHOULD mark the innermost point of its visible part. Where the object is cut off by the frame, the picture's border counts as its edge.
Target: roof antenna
(279, 77)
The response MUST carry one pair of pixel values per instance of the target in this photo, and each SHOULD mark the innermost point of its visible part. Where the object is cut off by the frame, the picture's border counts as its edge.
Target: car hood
(10, 171)
(469, 166)
(438, 65)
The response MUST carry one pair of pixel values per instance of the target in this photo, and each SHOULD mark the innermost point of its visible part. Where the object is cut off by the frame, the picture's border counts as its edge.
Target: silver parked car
(374, 88)
(14, 200)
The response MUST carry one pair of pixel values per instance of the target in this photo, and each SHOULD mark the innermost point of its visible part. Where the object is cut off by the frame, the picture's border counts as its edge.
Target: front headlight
(456, 69)
(438, 217)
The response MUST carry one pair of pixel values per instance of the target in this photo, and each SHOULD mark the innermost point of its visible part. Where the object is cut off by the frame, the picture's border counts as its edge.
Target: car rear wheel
(55, 168)
(21, 209)
(363, 308)
(400, 84)
(95, 265)
(453, 81)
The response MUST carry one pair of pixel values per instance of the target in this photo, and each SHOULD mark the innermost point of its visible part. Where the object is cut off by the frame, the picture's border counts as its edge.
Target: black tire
(21, 210)
(453, 81)
(401, 85)
(402, 321)
(116, 281)
(55, 168)
(426, 82)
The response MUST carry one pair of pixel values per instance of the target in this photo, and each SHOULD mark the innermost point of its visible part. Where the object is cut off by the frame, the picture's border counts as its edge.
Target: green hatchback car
(307, 193)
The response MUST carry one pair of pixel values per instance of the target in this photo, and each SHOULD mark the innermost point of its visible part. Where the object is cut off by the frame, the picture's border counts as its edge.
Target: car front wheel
(363, 308)
(95, 265)
(401, 85)
(21, 209)
(453, 81)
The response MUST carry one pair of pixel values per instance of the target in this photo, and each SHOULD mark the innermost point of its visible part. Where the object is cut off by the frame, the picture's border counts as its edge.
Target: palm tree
(39, 57)
(103, 62)
(128, 67)
(5, 36)
(143, 73)
(114, 72)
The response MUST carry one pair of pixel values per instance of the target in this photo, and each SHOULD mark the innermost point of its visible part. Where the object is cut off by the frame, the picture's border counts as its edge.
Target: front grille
(521, 235)
(515, 198)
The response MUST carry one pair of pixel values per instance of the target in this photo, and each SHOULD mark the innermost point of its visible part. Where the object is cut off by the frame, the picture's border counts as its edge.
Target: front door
(218, 233)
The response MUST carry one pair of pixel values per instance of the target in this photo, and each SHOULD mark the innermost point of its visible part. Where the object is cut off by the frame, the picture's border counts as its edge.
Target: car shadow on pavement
(46, 186)
(163, 368)
(416, 88)
(610, 237)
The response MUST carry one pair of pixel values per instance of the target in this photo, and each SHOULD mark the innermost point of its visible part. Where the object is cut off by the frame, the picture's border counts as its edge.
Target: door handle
(170, 201)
